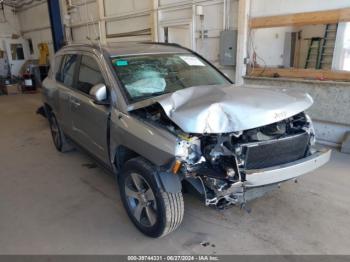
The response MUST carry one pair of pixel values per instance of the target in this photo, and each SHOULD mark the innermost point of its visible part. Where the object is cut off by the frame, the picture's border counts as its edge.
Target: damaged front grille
(275, 152)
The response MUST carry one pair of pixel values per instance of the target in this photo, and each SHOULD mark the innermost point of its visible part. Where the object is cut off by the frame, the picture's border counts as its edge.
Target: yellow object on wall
(44, 53)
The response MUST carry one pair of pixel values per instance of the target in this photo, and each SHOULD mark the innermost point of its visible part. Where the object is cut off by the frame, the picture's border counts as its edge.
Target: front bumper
(278, 174)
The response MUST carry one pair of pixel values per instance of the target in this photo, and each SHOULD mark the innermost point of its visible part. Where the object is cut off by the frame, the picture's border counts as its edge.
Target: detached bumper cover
(277, 174)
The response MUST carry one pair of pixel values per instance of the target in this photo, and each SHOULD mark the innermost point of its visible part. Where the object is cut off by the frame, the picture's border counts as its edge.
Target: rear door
(89, 120)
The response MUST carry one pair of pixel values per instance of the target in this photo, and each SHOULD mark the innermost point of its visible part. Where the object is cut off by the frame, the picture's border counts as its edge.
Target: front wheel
(58, 137)
(154, 212)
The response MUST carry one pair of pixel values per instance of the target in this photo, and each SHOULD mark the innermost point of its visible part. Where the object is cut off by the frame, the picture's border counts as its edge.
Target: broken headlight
(188, 150)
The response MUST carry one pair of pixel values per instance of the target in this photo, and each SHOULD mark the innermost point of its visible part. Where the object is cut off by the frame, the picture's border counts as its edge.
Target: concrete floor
(53, 203)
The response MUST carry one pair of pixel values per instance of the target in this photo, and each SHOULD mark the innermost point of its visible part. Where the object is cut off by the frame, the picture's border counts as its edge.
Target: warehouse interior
(53, 203)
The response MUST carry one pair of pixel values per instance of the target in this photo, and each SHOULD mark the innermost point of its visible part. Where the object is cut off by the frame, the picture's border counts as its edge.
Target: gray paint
(205, 109)
(156, 145)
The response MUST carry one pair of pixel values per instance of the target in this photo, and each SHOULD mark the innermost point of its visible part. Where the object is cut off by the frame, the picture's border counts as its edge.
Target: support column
(194, 28)
(102, 21)
(56, 24)
(155, 11)
(242, 39)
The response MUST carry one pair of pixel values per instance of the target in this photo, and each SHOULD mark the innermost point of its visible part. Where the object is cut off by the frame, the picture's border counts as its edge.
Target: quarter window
(89, 74)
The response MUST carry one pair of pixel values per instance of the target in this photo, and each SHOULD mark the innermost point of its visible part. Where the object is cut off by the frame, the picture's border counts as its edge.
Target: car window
(89, 74)
(57, 67)
(146, 76)
(65, 74)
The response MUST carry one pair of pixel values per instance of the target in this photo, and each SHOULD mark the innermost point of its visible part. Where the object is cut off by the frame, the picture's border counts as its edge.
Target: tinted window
(89, 74)
(65, 74)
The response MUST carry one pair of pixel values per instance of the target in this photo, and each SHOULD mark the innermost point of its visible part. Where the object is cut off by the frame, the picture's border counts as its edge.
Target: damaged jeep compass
(164, 120)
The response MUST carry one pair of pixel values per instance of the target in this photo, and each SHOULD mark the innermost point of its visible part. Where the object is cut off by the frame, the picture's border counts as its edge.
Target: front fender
(169, 182)
(152, 143)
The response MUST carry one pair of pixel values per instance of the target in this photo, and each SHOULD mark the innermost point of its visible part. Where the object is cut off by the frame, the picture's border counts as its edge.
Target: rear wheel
(154, 212)
(58, 137)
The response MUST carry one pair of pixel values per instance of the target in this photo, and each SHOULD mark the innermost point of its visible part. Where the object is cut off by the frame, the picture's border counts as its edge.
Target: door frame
(7, 45)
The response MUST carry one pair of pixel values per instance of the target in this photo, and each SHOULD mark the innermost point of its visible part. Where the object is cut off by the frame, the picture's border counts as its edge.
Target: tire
(58, 137)
(154, 212)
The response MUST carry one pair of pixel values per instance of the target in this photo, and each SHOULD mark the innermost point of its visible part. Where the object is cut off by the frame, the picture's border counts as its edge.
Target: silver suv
(164, 121)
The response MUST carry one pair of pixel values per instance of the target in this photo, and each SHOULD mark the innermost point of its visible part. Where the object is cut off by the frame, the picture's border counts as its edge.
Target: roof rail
(80, 44)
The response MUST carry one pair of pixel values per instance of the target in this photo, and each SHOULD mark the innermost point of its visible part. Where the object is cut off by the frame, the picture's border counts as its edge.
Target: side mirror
(99, 93)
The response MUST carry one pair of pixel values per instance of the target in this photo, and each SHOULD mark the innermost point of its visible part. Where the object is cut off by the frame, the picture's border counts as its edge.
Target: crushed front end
(233, 168)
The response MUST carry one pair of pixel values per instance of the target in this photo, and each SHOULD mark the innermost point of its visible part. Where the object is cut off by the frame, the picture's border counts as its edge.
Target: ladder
(313, 53)
(327, 48)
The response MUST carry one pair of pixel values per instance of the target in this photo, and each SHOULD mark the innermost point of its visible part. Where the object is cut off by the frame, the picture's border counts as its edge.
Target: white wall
(83, 20)
(134, 19)
(172, 13)
(129, 17)
(268, 43)
(11, 26)
(35, 25)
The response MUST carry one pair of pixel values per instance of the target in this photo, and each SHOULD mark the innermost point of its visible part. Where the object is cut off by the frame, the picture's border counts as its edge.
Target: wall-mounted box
(228, 47)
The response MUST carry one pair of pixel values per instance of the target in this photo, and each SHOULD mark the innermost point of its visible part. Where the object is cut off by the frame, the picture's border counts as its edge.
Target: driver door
(89, 120)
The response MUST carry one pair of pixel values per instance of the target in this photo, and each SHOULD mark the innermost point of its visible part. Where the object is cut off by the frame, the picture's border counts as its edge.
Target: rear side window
(89, 74)
(65, 74)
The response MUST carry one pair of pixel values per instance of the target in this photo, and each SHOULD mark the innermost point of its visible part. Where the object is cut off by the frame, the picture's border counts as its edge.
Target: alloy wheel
(141, 200)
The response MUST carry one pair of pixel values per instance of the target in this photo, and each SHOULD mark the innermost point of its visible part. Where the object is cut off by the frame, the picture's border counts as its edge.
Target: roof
(135, 48)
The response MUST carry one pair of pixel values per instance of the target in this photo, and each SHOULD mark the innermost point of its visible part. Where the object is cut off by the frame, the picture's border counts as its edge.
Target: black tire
(58, 137)
(167, 208)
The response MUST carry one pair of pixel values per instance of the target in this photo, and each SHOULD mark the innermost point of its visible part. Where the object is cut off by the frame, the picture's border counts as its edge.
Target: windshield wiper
(149, 95)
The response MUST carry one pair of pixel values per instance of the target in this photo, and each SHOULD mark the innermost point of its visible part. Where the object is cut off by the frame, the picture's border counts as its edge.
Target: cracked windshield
(146, 76)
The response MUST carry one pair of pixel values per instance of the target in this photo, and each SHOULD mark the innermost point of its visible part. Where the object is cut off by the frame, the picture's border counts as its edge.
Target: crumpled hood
(224, 109)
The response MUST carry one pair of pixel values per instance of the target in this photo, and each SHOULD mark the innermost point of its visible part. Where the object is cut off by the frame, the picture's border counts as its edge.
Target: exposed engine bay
(219, 161)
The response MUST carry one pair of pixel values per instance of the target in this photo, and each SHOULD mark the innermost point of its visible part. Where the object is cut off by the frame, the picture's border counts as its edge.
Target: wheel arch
(47, 107)
(166, 180)
(121, 155)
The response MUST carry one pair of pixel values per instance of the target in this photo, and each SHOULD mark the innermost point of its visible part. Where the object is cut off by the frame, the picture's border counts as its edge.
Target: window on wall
(301, 45)
(304, 47)
(89, 74)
